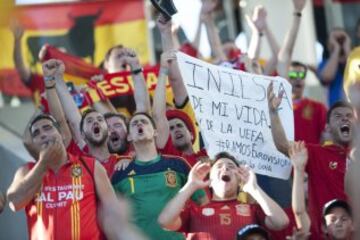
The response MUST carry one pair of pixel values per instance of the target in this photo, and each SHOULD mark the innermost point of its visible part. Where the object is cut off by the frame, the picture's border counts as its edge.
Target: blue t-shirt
(335, 88)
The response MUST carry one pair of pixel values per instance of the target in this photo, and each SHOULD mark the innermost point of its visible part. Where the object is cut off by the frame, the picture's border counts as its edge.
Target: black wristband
(136, 71)
(50, 87)
(298, 14)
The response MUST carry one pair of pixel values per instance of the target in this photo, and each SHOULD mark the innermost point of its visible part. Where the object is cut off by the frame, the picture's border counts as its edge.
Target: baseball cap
(336, 203)
(252, 229)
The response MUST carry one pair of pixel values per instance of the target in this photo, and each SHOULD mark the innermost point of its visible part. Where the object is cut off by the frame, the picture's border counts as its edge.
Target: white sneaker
(15, 102)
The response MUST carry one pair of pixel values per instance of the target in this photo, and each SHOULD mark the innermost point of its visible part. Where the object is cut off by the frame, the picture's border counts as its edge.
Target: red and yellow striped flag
(84, 29)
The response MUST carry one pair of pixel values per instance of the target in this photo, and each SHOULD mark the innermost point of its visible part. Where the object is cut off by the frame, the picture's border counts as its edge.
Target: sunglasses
(296, 75)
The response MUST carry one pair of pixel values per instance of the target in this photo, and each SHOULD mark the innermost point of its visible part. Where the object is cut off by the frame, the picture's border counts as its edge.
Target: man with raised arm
(308, 114)
(327, 163)
(93, 127)
(224, 215)
(174, 123)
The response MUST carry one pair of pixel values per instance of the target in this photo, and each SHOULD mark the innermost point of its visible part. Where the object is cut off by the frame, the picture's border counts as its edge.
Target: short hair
(225, 155)
(83, 116)
(299, 64)
(41, 117)
(119, 115)
(338, 104)
(146, 115)
(108, 53)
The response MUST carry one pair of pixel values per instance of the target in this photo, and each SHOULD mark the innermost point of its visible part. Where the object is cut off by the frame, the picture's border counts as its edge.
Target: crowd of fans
(99, 174)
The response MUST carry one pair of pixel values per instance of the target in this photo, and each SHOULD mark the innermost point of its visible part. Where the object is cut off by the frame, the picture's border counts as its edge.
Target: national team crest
(208, 211)
(76, 171)
(333, 165)
(307, 112)
(243, 210)
(170, 178)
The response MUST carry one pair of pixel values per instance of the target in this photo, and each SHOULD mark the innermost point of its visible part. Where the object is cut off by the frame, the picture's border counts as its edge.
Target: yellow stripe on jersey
(78, 206)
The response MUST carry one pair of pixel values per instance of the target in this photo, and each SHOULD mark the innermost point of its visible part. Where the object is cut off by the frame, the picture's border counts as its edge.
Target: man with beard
(95, 132)
(224, 215)
(151, 179)
(327, 163)
(117, 142)
(91, 133)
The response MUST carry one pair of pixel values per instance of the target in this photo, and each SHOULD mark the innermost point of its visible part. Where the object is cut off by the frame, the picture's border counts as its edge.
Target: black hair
(299, 64)
(119, 115)
(225, 155)
(83, 116)
(44, 116)
(145, 114)
(338, 104)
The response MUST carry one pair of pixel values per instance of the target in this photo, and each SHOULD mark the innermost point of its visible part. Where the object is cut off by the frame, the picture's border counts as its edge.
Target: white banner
(232, 111)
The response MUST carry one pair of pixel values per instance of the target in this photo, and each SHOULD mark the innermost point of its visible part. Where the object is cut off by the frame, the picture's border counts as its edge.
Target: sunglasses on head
(296, 75)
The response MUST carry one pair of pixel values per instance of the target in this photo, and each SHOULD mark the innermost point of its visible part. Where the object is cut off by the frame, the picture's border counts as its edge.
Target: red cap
(173, 113)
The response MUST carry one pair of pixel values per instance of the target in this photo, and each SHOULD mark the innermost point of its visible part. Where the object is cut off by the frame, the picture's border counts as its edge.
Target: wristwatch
(137, 71)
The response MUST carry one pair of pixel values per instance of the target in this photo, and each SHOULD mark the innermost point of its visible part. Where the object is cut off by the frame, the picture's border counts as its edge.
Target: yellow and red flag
(84, 29)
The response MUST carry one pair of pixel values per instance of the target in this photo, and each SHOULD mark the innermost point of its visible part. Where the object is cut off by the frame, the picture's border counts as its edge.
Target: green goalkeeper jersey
(149, 186)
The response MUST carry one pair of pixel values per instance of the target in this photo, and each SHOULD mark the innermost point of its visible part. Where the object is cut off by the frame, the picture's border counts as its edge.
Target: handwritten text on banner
(232, 111)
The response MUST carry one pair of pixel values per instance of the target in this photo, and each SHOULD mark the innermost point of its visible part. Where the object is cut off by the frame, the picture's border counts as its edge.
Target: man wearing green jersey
(151, 180)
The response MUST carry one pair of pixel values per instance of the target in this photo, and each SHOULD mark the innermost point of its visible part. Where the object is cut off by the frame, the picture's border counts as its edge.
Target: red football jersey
(109, 165)
(194, 158)
(65, 207)
(74, 149)
(219, 220)
(309, 120)
(169, 148)
(326, 169)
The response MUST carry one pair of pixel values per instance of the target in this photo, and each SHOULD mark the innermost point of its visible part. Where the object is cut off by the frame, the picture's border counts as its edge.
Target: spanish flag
(85, 29)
